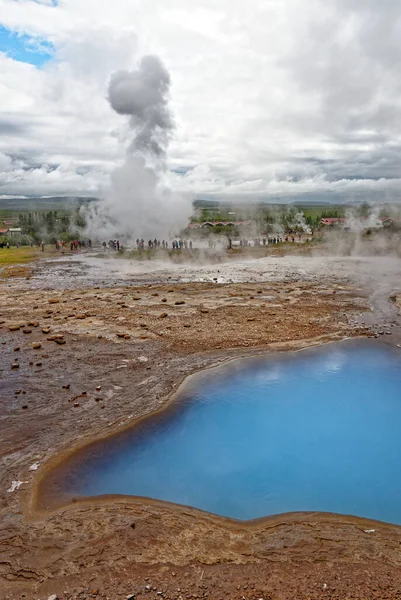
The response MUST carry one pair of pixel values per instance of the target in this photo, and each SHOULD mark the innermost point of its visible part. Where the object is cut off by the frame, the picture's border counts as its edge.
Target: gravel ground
(137, 333)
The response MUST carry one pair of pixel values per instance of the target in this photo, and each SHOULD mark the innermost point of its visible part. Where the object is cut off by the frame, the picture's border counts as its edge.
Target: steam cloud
(137, 203)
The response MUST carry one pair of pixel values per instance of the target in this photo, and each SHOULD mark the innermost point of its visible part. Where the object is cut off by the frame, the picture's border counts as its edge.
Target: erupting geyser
(138, 203)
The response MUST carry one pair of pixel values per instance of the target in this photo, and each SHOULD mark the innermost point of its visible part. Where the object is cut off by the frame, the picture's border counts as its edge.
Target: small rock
(99, 387)
(76, 404)
(27, 331)
(120, 334)
(15, 366)
(33, 324)
(46, 330)
(163, 315)
(53, 597)
(38, 364)
(60, 342)
(25, 406)
(179, 302)
(127, 337)
(17, 392)
(14, 327)
(53, 300)
(17, 349)
(204, 311)
(164, 299)
(36, 345)
(187, 325)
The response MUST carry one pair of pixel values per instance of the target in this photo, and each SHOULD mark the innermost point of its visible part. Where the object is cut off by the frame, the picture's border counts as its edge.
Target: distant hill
(48, 203)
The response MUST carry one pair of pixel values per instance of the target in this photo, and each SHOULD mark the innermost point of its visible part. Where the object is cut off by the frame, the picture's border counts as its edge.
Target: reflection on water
(311, 431)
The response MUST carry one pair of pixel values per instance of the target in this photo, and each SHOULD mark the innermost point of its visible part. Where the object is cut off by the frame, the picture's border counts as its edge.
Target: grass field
(14, 262)
(317, 210)
(14, 256)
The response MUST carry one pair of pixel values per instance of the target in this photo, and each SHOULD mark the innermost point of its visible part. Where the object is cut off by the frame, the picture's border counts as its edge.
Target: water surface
(315, 430)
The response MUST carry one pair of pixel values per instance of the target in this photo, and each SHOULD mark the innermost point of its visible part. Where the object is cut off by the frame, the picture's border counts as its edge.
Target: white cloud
(270, 99)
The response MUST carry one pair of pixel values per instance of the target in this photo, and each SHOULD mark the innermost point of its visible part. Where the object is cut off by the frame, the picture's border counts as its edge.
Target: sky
(272, 99)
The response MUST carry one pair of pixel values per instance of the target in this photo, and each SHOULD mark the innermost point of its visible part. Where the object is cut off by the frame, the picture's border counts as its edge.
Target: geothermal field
(107, 454)
(200, 300)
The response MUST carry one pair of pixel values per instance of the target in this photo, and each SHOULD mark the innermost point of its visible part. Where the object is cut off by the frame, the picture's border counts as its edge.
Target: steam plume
(137, 204)
(143, 96)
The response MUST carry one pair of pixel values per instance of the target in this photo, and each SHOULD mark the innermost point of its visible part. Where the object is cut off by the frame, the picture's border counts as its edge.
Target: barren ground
(138, 331)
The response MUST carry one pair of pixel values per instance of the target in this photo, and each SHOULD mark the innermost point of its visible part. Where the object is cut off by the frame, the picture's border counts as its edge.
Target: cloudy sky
(271, 98)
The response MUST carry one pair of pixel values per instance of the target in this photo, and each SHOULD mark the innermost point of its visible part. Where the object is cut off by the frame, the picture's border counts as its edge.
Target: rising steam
(137, 204)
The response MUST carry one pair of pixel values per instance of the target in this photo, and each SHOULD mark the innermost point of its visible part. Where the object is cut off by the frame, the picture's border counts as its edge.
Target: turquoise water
(310, 431)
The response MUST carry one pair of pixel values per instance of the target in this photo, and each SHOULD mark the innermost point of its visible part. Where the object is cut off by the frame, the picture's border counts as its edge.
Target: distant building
(14, 231)
(3, 231)
(357, 223)
(222, 223)
(331, 221)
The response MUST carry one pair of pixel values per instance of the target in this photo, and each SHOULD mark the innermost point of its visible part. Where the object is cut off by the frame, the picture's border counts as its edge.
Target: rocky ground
(87, 348)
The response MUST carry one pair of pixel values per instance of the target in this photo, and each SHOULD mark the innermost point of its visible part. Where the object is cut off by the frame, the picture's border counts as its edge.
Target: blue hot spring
(317, 430)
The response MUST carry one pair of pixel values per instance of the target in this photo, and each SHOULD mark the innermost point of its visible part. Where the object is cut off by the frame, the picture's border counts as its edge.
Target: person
(104, 246)
(118, 245)
(190, 244)
(42, 245)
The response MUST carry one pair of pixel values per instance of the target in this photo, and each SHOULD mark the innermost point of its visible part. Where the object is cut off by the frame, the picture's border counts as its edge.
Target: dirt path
(138, 341)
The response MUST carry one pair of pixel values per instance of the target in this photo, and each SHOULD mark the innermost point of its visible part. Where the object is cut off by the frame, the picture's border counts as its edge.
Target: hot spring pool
(314, 430)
